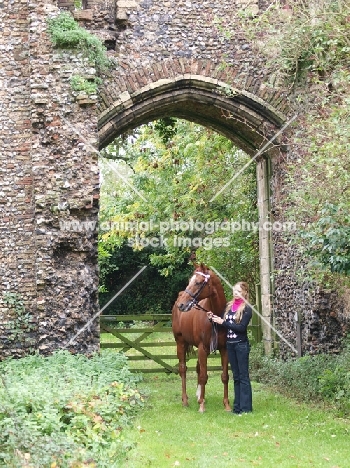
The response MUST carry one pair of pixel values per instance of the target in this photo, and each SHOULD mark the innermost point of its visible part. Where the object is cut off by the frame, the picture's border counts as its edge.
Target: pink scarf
(236, 303)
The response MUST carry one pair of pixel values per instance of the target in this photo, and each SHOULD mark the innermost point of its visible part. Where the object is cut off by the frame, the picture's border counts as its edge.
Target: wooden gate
(149, 344)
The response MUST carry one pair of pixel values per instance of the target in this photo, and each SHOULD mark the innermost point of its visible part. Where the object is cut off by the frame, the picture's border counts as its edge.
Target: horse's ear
(201, 267)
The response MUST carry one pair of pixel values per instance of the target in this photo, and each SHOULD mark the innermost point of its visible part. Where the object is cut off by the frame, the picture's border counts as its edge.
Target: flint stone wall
(323, 315)
(49, 170)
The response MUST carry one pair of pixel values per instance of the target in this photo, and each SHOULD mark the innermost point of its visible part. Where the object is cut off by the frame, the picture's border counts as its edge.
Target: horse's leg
(202, 376)
(225, 377)
(181, 354)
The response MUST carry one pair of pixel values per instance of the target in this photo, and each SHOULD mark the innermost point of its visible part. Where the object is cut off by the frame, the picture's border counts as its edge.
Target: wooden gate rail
(160, 323)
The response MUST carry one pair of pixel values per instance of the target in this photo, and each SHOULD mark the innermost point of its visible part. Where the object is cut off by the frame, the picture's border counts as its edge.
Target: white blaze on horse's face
(202, 274)
(192, 280)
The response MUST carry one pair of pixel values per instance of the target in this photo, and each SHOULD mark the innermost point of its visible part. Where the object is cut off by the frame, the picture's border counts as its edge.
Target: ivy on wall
(20, 322)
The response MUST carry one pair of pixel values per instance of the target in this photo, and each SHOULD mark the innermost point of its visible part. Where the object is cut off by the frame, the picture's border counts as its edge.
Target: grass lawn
(279, 432)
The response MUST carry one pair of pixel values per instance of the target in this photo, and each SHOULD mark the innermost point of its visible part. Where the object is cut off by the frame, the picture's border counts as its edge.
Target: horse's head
(197, 289)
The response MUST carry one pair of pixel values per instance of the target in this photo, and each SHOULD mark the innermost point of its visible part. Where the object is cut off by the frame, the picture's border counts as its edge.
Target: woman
(236, 319)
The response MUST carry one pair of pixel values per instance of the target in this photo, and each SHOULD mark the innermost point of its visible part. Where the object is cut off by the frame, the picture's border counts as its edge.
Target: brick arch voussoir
(238, 106)
(134, 80)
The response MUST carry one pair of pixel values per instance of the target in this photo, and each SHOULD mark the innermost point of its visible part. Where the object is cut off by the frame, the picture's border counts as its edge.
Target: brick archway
(238, 114)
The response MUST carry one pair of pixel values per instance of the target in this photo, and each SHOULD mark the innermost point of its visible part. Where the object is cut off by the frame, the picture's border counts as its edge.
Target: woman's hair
(245, 294)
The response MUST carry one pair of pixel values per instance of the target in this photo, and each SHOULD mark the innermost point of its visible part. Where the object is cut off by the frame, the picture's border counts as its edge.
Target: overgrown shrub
(306, 47)
(65, 410)
(301, 37)
(322, 377)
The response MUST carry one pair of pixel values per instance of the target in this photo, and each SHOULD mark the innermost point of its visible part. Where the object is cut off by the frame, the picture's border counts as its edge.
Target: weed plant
(81, 84)
(20, 321)
(65, 410)
(66, 33)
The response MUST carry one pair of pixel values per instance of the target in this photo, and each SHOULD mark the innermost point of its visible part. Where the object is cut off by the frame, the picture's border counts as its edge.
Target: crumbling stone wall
(49, 170)
(17, 248)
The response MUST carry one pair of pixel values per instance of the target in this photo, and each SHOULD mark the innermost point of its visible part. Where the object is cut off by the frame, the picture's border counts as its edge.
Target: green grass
(280, 432)
(68, 411)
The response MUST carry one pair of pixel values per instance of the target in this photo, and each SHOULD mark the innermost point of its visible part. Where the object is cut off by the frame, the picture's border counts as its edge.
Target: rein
(198, 306)
(214, 335)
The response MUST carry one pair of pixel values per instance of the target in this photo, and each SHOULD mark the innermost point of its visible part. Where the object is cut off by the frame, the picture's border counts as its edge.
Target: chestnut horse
(191, 327)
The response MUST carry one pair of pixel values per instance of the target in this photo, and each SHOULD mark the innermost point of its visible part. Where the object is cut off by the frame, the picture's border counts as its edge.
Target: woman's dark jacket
(237, 331)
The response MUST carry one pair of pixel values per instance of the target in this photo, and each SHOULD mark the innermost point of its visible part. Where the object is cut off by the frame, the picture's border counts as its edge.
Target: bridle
(194, 302)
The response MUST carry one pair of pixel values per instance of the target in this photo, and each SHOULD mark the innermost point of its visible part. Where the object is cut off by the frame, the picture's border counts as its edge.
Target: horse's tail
(189, 351)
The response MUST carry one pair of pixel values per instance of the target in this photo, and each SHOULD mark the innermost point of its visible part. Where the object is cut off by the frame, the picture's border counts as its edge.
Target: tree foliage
(168, 209)
(329, 240)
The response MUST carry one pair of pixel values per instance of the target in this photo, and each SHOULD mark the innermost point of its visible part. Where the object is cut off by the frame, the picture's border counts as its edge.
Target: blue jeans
(238, 355)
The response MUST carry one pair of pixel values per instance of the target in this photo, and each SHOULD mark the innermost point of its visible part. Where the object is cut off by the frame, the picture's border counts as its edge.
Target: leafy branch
(329, 239)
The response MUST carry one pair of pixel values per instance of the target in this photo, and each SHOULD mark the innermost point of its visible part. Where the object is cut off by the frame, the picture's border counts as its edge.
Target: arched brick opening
(238, 114)
(245, 118)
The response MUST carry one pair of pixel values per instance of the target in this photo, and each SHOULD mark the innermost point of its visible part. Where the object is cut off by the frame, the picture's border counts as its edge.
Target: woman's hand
(217, 319)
